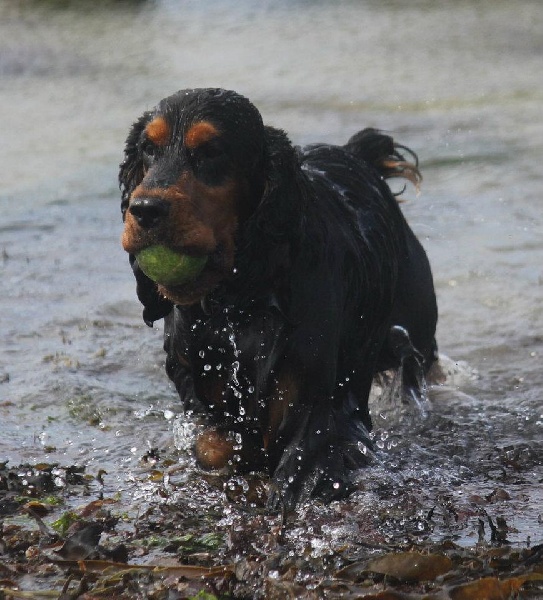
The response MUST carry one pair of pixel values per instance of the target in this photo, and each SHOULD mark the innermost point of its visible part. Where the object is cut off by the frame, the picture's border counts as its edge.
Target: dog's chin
(189, 293)
(193, 292)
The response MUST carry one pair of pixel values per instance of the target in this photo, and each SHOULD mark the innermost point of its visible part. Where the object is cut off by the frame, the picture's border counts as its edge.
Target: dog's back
(391, 278)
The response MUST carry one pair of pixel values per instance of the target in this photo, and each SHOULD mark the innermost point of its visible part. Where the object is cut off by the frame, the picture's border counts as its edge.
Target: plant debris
(206, 537)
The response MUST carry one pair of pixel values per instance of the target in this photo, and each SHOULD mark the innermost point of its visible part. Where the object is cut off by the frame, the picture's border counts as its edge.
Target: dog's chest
(233, 356)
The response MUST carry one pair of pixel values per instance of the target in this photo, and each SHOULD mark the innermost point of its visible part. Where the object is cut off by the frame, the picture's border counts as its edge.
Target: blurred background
(460, 82)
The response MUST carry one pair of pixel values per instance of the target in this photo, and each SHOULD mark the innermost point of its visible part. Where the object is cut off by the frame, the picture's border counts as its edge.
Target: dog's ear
(282, 204)
(131, 169)
(266, 238)
(131, 173)
(155, 306)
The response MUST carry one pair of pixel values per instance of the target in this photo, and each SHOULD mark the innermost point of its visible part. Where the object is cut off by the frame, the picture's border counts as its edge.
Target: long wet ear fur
(282, 203)
(275, 223)
(131, 169)
(155, 306)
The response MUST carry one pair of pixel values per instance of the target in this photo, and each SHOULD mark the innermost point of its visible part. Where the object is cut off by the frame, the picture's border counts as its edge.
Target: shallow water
(460, 83)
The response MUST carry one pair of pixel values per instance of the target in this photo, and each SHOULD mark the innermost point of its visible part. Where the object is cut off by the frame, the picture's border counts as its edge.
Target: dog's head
(193, 173)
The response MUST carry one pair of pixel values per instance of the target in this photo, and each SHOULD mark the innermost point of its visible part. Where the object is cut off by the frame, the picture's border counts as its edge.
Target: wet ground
(82, 380)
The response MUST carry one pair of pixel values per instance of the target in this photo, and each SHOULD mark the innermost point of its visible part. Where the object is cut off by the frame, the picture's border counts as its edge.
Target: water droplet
(207, 367)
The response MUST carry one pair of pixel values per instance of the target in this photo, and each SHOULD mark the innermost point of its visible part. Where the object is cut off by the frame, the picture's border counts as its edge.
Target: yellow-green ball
(168, 267)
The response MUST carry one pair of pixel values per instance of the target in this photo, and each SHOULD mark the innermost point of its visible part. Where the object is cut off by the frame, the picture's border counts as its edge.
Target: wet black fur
(326, 266)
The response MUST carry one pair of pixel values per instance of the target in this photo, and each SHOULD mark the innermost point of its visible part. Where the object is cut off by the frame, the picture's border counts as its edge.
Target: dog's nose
(148, 212)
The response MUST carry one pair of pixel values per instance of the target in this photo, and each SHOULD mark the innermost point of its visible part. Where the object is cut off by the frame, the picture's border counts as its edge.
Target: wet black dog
(313, 283)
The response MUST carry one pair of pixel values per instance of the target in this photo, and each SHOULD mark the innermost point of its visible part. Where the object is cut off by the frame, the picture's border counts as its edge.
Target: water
(460, 83)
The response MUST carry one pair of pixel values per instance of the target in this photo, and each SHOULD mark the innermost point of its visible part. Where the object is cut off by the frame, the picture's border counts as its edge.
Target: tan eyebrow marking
(158, 131)
(200, 133)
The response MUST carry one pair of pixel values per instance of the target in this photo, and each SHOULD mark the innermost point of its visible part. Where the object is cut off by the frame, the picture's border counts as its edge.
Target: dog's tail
(383, 153)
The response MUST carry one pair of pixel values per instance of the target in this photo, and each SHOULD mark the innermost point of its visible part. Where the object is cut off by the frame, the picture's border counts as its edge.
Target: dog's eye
(209, 162)
(148, 149)
(208, 151)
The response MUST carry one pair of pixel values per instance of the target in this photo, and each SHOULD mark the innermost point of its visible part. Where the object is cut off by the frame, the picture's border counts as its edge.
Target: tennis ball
(168, 267)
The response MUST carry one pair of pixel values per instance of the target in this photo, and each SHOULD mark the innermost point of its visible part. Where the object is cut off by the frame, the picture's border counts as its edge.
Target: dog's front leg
(303, 437)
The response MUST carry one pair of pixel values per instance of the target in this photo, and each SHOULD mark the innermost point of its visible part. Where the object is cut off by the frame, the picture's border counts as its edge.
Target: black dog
(314, 283)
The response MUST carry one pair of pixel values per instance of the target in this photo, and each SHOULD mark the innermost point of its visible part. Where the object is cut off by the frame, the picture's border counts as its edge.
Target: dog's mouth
(185, 262)
(184, 276)
(170, 267)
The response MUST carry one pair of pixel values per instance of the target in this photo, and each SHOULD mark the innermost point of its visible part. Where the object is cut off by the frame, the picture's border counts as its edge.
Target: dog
(313, 284)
